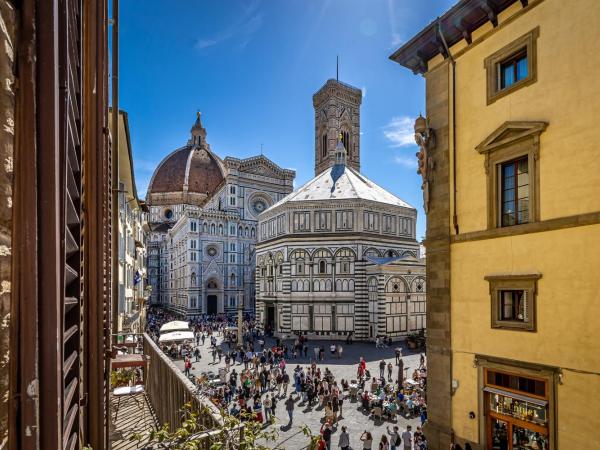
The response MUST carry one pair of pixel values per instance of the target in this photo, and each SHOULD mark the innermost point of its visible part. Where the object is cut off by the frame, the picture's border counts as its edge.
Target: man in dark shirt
(289, 407)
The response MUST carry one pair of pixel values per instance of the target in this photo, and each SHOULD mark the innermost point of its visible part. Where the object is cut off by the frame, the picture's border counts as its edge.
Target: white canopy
(176, 325)
(177, 336)
(231, 328)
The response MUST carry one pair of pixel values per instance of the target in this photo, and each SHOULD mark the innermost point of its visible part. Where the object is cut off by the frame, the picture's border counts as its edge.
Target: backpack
(398, 440)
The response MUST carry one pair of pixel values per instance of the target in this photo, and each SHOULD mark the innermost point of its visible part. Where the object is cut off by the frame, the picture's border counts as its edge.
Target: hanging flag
(137, 278)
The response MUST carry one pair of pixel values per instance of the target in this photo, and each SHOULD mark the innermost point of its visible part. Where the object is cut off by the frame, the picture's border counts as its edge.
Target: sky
(252, 66)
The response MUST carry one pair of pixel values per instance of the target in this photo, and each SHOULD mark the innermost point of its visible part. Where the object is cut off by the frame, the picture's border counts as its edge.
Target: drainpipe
(115, 172)
(453, 62)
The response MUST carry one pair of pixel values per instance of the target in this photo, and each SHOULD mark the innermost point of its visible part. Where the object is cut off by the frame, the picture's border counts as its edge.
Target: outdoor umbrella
(176, 336)
(176, 325)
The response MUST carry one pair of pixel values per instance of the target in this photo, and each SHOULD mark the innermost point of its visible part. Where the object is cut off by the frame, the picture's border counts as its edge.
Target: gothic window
(322, 267)
(232, 280)
(221, 229)
(246, 232)
(212, 228)
(346, 141)
(193, 279)
(324, 145)
(253, 232)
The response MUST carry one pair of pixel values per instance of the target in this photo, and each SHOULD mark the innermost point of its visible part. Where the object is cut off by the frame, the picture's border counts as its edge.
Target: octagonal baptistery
(328, 253)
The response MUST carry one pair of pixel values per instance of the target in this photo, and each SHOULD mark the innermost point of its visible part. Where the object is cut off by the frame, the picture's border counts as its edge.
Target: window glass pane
(522, 68)
(507, 76)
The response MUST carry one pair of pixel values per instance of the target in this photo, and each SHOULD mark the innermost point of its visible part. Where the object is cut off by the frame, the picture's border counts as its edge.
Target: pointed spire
(198, 131)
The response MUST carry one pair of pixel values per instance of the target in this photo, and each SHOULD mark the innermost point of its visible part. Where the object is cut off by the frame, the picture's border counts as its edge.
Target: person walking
(326, 432)
(267, 405)
(286, 383)
(188, 367)
(390, 368)
(382, 369)
(344, 441)
(197, 354)
(367, 439)
(394, 438)
(407, 438)
(289, 407)
(316, 350)
(340, 350)
(398, 355)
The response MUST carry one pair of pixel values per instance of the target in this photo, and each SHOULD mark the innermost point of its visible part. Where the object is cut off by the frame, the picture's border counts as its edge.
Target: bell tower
(337, 112)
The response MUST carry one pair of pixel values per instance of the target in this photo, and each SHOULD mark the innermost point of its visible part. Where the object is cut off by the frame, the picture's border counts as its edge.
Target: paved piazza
(354, 418)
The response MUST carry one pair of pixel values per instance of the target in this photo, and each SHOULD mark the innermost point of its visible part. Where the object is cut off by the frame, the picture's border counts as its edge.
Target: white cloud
(400, 131)
(243, 29)
(364, 91)
(405, 161)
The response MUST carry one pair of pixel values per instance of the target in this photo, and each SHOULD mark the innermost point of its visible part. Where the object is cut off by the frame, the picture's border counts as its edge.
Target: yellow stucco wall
(567, 96)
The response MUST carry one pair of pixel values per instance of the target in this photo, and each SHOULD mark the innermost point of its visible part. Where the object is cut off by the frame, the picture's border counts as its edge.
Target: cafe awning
(176, 325)
(523, 398)
(176, 336)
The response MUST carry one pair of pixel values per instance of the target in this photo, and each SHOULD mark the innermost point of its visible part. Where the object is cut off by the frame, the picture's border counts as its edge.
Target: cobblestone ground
(355, 420)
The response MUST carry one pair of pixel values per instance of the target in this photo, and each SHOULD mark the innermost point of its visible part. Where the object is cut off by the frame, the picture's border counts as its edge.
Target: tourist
(317, 350)
(289, 407)
(390, 368)
(383, 444)
(382, 369)
(322, 353)
(333, 349)
(394, 438)
(398, 355)
(367, 440)
(340, 350)
(188, 367)
(407, 438)
(286, 382)
(344, 442)
(329, 413)
(326, 432)
(267, 405)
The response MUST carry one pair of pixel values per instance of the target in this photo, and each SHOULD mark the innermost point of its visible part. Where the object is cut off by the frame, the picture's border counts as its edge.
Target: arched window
(232, 280)
(246, 232)
(212, 228)
(253, 232)
(193, 279)
(346, 141)
(221, 229)
(322, 267)
(324, 145)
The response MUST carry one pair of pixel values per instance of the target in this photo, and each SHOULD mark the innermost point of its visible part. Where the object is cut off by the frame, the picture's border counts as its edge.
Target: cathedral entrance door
(271, 317)
(211, 304)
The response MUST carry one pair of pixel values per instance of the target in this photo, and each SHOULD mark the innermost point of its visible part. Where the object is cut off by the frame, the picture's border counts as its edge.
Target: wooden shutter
(70, 56)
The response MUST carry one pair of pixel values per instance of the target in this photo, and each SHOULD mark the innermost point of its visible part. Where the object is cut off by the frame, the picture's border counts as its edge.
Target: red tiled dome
(203, 174)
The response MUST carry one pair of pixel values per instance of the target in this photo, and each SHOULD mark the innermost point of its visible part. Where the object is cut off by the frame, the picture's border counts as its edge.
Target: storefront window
(517, 411)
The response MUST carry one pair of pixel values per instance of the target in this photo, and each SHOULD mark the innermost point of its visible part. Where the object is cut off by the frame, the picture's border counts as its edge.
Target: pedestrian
(188, 367)
(305, 348)
(340, 350)
(390, 368)
(344, 442)
(267, 405)
(341, 404)
(197, 354)
(317, 350)
(383, 444)
(367, 440)
(377, 345)
(382, 369)
(407, 438)
(422, 360)
(286, 382)
(326, 432)
(289, 407)
(398, 355)
(394, 438)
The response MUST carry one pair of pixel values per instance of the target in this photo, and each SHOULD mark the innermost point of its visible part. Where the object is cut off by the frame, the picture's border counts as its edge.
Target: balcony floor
(135, 415)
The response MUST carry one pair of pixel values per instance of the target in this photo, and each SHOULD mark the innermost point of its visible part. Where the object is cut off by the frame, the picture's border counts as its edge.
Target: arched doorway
(212, 296)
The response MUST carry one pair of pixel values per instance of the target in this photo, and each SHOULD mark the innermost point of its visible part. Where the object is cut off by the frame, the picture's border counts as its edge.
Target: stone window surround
(526, 282)
(510, 141)
(492, 63)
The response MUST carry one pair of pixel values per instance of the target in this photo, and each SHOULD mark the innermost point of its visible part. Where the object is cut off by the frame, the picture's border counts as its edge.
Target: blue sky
(252, 66)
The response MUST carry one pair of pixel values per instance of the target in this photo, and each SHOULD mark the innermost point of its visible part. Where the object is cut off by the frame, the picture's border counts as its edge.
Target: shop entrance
(211, 304)
(516, 411)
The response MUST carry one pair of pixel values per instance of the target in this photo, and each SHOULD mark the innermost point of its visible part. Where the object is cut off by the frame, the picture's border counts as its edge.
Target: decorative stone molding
(425, 139)
(509, 141)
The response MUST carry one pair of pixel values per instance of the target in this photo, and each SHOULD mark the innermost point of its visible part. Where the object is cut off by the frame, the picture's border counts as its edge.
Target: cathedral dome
(192, 170)
(188, 169)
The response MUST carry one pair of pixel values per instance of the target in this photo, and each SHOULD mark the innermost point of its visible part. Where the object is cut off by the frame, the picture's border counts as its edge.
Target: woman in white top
(367, 440)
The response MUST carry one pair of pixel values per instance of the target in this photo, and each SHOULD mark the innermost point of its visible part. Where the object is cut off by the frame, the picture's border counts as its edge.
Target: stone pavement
(354, 418)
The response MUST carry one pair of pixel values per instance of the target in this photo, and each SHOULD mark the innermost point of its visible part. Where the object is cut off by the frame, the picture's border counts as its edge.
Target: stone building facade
(203, 226)
(339, 255)
(513, 227)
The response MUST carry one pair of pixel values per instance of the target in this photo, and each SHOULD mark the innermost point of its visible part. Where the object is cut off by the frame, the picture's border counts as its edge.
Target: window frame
(514, 282)
(493, 63)
(511, 141)
(502, 191)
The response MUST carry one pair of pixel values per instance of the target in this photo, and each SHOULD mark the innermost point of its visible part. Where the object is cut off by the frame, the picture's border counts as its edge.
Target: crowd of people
(255, 378)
